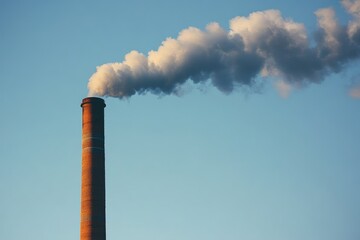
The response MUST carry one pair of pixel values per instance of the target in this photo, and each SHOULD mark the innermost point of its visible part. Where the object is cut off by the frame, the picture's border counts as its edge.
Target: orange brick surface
(92, 221)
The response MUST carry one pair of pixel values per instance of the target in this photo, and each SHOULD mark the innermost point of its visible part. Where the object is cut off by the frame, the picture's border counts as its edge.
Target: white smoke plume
(264, 43)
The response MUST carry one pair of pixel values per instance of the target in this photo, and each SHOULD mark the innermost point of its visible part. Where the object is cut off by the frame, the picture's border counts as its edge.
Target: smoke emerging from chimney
(262, 44)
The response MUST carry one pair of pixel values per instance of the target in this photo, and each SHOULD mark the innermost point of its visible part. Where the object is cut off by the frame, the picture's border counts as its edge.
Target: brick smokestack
(92, 223)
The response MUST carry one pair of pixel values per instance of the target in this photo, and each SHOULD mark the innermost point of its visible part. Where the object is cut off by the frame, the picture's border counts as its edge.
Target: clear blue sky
(203, 166)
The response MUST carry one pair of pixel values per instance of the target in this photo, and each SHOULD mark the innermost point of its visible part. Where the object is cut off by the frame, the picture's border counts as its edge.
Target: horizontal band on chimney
(93, 148)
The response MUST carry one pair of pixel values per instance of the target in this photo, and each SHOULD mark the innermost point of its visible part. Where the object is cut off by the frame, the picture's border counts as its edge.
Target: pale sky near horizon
(203, 165)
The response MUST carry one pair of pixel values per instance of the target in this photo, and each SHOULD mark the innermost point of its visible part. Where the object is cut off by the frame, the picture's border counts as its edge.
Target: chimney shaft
(92, 222)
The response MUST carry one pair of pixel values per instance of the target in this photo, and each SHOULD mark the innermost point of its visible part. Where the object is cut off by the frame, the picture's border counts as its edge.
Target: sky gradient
(252, 164)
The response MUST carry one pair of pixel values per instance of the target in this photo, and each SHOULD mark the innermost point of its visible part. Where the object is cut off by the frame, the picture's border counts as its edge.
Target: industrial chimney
(92, 222)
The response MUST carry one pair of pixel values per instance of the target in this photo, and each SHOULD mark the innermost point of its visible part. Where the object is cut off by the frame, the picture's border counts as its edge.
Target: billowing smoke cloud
(264, 43)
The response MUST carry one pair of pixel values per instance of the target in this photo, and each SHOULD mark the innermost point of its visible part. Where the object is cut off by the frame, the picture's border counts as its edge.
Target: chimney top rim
(93, 100)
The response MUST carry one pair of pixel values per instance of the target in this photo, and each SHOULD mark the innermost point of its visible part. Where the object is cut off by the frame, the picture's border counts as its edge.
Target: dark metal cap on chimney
(93, 100)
